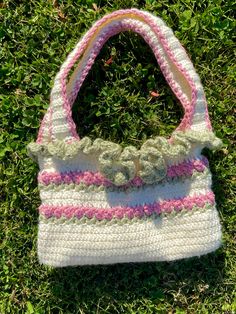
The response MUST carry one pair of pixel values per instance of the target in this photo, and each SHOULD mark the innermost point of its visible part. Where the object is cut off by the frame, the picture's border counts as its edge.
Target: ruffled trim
(120, 165)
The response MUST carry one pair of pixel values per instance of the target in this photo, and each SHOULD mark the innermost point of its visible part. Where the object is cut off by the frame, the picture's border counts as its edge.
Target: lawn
(115, 102)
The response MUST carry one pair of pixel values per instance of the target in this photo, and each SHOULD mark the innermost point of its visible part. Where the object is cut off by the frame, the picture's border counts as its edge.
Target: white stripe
(81, 162)
(199, 118)
(147, 195)
(198, 126)
(60, 129)
(58, 115)
(180, 236)
(200, 107)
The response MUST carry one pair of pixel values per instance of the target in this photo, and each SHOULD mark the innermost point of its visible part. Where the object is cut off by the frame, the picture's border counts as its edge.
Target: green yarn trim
(101, 188)
(121, 165)
(115, 221)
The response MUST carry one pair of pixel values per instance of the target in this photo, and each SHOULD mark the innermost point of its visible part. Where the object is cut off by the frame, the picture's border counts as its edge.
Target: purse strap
(172, 58)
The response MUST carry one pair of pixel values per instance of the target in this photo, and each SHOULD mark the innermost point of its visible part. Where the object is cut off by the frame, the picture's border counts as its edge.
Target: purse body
(84, 221)
(104, 204)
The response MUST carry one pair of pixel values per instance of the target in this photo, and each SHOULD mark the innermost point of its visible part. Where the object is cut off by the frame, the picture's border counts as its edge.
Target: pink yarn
(120, 212)
(86, 219)
(185, 168)
(122, 25)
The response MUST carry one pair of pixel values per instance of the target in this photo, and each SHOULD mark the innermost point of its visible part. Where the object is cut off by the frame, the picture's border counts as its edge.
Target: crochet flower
(152, 164)
(57, 148)
(118, 166)
(34, 149)
(87, 146)
(180, 146)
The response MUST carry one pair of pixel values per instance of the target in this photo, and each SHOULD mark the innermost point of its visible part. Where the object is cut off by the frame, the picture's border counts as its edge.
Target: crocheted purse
(104, 204)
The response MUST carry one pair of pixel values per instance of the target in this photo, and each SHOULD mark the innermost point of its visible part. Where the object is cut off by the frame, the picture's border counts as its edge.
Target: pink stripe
(174, 205)
(95, 178)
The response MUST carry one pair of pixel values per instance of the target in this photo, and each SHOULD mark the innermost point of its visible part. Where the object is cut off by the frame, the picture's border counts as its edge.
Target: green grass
(114, 103)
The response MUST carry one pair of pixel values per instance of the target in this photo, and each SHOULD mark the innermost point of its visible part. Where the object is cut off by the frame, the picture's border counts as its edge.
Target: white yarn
(149, 195)
(188, 225)
(164, 239)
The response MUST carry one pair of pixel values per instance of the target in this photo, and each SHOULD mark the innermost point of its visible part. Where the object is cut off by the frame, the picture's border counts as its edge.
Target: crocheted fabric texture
(102, 203)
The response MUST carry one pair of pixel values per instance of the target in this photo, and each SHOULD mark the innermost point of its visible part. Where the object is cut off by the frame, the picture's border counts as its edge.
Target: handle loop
(171, 57)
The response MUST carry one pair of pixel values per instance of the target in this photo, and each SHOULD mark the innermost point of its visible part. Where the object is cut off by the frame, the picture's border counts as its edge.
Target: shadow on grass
(122, 283)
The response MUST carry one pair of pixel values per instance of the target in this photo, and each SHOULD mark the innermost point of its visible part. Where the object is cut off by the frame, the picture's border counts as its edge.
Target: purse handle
(171, 57)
